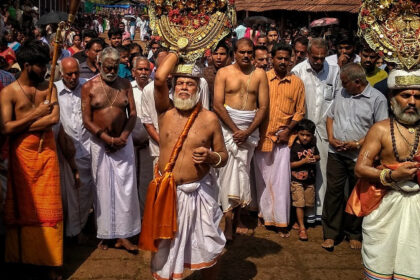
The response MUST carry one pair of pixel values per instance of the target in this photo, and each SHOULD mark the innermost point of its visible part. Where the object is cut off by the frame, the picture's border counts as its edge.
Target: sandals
(303, 235)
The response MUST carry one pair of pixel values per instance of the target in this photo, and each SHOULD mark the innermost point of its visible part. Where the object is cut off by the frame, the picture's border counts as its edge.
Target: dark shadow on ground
(234, 264)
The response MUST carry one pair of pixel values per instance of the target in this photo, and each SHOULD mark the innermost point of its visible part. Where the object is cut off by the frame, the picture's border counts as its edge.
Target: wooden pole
(74, 5)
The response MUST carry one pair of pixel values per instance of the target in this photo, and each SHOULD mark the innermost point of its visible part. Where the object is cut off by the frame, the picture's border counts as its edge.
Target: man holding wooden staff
(33, 210)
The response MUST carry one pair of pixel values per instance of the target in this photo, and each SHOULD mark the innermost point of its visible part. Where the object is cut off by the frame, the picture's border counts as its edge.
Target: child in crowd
(303, 156)
(124, 67)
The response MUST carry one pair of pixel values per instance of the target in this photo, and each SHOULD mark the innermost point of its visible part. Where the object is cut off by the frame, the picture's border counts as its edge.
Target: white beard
(108, 77)
(186, 104)
(402, 117)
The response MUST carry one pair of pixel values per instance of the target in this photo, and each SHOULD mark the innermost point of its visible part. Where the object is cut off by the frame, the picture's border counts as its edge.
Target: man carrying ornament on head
(195, 240)
(388, 195)
(391, 245)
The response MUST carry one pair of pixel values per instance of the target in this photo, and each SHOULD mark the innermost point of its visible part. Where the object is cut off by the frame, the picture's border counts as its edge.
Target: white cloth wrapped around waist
(407, 186)
(391, 243)
(242, 120)
(199, 240)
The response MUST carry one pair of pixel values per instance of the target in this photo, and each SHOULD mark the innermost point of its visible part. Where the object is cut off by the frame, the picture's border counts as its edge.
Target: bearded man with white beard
(389, 195)
(191, 141)
(109, 113)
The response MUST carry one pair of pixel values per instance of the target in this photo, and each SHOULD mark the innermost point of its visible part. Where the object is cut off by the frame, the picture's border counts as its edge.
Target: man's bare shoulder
(381, 127)
(9, 90)
(90, 83)
(226, 70)
(209, 116)
(123, 83)
(260, 73)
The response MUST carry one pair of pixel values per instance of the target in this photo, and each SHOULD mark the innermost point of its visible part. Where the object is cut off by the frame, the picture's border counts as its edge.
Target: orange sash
(33, 192)
(159, 219)
(367, 196)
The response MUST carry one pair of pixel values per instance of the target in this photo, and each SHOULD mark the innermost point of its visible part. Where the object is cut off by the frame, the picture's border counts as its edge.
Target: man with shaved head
(74, 145)
(109, 114)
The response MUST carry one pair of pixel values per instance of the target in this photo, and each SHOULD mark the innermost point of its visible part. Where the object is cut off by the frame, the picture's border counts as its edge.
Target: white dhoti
(314, 214)
(234, 178)
(391, 241)
(76, 202)
(116, 202)
(272, 176)
(199, 240)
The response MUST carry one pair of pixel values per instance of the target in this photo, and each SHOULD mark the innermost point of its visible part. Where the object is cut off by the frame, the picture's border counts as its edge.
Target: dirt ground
(263, 255)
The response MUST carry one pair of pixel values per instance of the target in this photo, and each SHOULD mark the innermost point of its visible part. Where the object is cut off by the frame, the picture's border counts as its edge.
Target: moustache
(410, 108)
(143, 76)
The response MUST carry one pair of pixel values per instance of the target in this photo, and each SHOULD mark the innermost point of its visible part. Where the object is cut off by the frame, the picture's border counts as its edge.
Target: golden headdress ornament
(392, 28)
(191, 26)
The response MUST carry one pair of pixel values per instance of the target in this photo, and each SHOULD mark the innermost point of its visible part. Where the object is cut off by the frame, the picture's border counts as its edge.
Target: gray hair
(317, 42)
(354, 71)
(136, 60)
(60, 64)
(108, 52)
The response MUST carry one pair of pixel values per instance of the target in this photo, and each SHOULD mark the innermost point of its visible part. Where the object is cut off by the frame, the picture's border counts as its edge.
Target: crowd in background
(131, 36)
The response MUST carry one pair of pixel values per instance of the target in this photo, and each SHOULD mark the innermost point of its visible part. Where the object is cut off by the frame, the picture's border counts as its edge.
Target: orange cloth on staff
(33, 210)
(159, 219)
(287, 103)
(367, 196)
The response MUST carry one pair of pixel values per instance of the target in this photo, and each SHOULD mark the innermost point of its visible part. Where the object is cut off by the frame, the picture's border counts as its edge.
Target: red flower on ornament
(365, 12)
(363, 26)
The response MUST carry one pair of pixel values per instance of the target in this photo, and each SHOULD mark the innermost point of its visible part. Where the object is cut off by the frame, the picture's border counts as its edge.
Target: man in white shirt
(75, 171)
(322, 83)
(141, 73)
(346, 50)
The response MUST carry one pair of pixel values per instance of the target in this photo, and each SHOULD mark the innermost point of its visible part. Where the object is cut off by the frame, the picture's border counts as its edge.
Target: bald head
(69, 68)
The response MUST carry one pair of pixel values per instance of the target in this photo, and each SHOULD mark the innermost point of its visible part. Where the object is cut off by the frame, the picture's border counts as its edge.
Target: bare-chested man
(33, 211)
(109, 113)
(198, 241)
(391, 244)
(241, 102)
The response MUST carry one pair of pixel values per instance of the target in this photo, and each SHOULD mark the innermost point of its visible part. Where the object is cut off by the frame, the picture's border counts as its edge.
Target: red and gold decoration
(392, 28)
(191, 26)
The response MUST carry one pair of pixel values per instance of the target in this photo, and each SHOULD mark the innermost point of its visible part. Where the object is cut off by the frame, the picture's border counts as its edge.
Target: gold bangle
(382, 178)
(220, 159)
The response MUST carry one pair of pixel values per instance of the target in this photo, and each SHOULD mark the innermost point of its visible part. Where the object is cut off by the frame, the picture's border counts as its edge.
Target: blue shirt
(353, 115)
(6, 78)
(124, 72)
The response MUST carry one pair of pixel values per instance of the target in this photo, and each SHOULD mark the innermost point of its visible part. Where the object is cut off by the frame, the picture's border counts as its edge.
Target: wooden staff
(74, 6)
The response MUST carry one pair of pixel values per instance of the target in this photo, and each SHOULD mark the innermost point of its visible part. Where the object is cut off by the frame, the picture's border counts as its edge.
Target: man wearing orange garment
(391, 244)
(198, 240)
(33, 211)
(272, 158)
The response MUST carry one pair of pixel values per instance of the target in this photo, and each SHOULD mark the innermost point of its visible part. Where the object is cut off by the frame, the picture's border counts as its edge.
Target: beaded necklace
(394, 145)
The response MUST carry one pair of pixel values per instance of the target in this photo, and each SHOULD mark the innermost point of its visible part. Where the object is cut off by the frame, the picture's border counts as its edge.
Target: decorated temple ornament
(392, 28)
(191, 26)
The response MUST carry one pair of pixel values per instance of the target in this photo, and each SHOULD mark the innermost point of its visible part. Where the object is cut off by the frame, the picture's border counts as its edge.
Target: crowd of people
(269, 124)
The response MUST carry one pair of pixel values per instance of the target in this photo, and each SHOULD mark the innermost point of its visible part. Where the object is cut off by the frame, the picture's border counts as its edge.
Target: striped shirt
(287, 103)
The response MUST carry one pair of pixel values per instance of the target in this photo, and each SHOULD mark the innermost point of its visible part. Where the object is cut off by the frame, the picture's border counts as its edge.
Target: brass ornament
(392, 28)
(190, 27)
(410, 80)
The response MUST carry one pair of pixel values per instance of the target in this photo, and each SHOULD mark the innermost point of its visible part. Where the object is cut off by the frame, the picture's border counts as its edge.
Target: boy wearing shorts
(303, 157)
